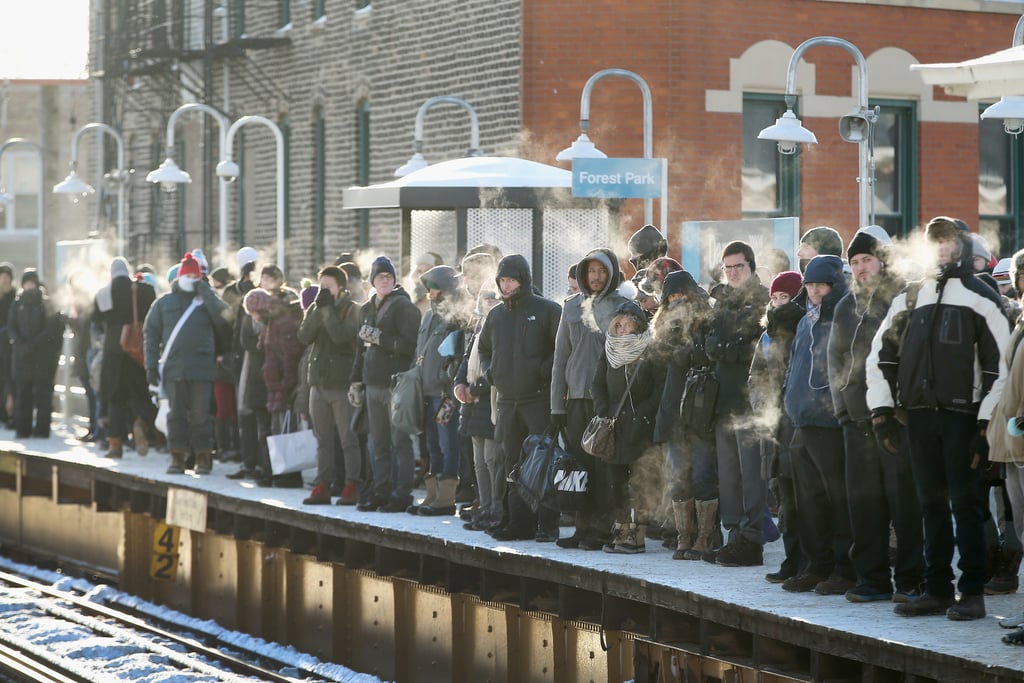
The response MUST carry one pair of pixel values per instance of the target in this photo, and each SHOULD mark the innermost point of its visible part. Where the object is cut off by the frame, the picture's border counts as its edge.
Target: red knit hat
(190, 266)
(788, 281)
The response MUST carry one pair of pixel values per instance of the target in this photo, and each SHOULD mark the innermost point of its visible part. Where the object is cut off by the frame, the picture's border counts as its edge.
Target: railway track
(120, 635)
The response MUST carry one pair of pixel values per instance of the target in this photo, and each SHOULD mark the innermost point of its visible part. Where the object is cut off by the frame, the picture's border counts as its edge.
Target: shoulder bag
(599, 436)
(131, 333)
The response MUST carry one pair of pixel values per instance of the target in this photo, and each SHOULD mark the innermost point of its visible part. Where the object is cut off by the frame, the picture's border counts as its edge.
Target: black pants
(819, 475)
(941, 460)
(253, 428)
(129, 400)
(794, 562)
(33, 396)
(880, 490)
(515, 421)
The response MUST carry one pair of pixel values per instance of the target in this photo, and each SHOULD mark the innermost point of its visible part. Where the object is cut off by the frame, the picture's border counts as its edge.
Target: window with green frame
(238, 18)
(895, 145)
(240, 186)
(319, 9)
(363, 165)
(285, 13)
(770, 181)
(285, 126)
(362, 4)
(319, 181)
(999, 184)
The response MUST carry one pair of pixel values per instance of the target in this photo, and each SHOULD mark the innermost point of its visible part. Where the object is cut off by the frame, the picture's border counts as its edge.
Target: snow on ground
(977, 640)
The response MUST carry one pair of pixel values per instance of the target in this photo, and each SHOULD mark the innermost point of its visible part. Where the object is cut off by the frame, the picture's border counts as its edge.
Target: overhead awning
(471, 182)
(992, 76)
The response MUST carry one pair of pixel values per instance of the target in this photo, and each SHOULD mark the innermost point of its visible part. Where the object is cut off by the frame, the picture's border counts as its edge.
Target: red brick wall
(683, 48)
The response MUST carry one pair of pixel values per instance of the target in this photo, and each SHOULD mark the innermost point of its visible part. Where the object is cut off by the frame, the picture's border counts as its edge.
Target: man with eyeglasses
(739, 303)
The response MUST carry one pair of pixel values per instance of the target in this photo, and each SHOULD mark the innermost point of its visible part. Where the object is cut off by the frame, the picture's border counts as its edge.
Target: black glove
(247, 269)
(324, 298)
(979, 447)
(558, 422)
(480, 387)
(153, 377)
(888, 431)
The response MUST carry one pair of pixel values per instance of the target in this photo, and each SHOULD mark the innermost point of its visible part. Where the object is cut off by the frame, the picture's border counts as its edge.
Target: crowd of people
(873, 405)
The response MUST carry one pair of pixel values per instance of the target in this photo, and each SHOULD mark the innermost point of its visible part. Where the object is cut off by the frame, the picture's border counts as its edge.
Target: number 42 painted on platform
(163, 565)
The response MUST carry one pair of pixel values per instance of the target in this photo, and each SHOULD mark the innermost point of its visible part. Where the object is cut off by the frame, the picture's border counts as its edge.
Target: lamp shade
(581, 148)
(73, 185)
(168, 172)
(788, 132)
(228, 170)
(1010, 109)
(415, 163)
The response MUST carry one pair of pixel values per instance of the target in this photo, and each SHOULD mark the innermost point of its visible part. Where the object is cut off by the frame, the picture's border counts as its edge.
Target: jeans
(819, 476)
(941, 460)
(393, 464)
(880, 490)
(692, 469)
(442, 440)
(331, 415)
(742, 491)
(188, 417)
(1014, 485)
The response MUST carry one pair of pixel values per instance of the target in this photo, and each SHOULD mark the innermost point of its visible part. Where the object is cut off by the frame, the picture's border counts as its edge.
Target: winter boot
(444, 502)
(631, 541)
(707, 526)
(684, 513)
(177, 465)
(204, 462)
(619, 532)
(139, 435)
(116, 450)
(319, 496)
(1005, 580)
(430, 484)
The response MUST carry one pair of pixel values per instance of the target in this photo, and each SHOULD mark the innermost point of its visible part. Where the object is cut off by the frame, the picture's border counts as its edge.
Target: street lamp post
(416, 162)
(229, 171)
(169, 175)
(1010, 108)
(857, 126)
(6, 198)
(583, 148)
(74, 185)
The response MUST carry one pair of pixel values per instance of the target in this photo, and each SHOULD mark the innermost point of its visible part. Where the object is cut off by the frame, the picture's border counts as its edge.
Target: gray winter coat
(193, 355)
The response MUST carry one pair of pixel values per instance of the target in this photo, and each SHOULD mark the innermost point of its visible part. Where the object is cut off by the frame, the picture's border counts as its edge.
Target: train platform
(729, 614)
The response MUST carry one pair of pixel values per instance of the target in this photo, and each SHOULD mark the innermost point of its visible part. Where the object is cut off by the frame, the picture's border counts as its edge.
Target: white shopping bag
(291, 451)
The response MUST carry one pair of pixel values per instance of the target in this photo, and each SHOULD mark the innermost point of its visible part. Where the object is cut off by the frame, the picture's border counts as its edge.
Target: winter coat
(115, 361)
(282, 350)
(807, 396)
(581, 330)
(441, 320)
(6, 302)
(36, 332)
(517, 342)
(734, 331)
(771, 357)
(229, 367)
(193, 355)
(944, 350)
(1002, 446)
(252, 390)
(331, 334)
(858, 316)
(634, 426)
(399, 322)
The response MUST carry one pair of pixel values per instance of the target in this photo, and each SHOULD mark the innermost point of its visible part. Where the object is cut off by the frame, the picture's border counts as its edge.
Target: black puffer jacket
(399, 321)
(36, 332)
(733, 333)
(634, 425)
(857, 317)
(517, 342)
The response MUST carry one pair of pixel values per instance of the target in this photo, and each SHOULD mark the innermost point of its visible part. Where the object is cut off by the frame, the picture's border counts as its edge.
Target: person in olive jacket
(35, 330)
(517, 349)
(389, 324)
(187, 364)
(329, 329)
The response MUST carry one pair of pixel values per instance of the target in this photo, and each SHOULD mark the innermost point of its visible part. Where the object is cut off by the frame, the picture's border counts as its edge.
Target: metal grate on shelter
(568, 235)
(435, 231)
(511, 230)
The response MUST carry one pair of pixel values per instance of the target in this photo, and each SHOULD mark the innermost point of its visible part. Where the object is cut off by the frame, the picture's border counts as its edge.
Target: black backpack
(700, 395)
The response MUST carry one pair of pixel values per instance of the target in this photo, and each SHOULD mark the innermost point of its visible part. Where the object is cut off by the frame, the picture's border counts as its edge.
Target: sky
(44, 38)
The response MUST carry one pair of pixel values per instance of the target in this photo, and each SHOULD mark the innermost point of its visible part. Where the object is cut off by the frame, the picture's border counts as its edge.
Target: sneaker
(834, 585)
(372, 504)
(570, 542)
(321, 495)
(802, 583)
(399, 505)
(740, 553)
(868, 594)
(906, 595)
(592, 543)
(924, 606)
(1012, 622)
(778, 577)
(967, 608)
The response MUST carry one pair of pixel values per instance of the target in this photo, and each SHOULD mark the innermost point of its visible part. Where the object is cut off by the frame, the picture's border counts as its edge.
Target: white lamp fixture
(228, 170)
(74, 185)
(1010, 109)
(417, 161)
(168, 175)
(789, 132)
(581, 148)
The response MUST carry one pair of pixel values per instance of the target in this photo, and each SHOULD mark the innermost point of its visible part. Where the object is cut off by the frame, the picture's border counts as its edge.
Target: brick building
(344, 81)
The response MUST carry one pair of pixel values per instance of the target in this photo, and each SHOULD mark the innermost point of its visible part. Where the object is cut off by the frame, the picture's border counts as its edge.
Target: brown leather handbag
(131, 333)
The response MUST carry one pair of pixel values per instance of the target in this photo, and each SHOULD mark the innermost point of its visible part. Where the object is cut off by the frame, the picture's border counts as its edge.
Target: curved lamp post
(583, 148)
(857, 126)
(417, 162)
(169, 175)
(228, 170)
(6, 198)
(74, 185)
(1010, 108)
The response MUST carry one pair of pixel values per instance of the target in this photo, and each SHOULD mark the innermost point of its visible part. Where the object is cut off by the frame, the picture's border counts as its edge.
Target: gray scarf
(627, 348)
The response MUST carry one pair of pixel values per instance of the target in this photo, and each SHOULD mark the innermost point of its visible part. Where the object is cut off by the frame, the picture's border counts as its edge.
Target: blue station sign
(617, 178)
